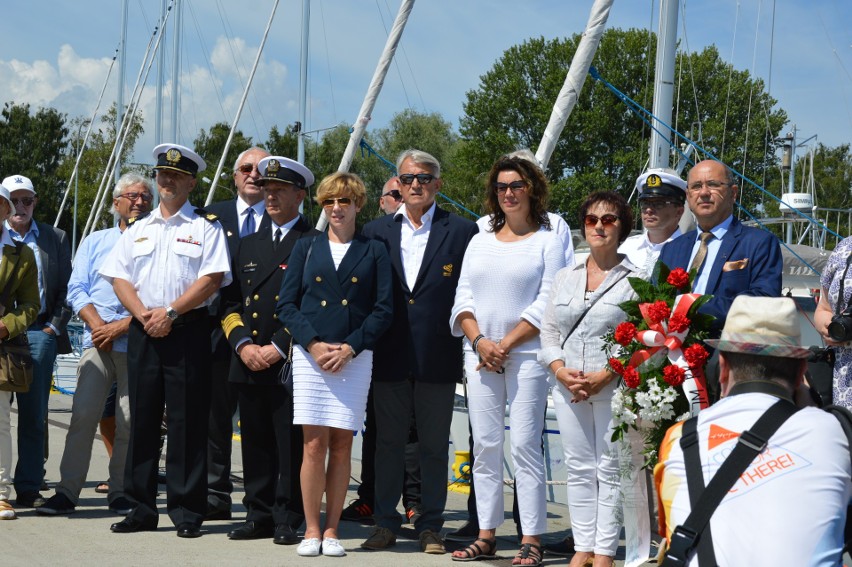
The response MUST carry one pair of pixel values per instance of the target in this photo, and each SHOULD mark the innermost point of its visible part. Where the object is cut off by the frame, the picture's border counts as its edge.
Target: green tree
(284, 144)
(210, 145)
(34, 145)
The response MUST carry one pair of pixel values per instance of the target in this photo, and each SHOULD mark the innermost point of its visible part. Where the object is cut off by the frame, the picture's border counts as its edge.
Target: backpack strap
(686, 537)
(844, 416)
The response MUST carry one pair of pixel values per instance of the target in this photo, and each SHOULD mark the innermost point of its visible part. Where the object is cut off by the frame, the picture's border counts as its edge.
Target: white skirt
(331, 399)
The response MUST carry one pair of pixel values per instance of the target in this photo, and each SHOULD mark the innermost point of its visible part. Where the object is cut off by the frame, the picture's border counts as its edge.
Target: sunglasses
(25, 201)
(342, 201)
(146, 197)
(606, 220)
(393, 194)
(422, 178)
(515, 186)
(246, 168)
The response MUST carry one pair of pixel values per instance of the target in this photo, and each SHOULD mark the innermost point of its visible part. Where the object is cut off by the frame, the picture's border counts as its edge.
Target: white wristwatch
(171, 313)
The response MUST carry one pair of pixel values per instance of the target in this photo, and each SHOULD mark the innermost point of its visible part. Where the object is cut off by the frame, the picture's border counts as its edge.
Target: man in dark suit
(271, 444)
(730, 259)
(417, 363)
(239, 217)
(47, 336)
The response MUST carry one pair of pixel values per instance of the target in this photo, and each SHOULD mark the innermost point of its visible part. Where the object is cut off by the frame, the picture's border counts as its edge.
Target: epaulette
(209, 216)
(132, 220)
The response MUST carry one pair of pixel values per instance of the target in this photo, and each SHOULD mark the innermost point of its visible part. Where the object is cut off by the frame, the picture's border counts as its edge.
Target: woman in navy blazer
(335, 301)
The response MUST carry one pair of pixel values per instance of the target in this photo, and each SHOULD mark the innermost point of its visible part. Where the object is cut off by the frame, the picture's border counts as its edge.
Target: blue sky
(57, 54)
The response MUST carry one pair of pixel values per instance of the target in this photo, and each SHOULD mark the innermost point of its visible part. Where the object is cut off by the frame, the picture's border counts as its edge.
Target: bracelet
(556, 374)
(475, 342)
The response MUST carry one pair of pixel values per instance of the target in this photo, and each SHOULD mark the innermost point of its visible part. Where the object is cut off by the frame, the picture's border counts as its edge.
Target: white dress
(331, 399)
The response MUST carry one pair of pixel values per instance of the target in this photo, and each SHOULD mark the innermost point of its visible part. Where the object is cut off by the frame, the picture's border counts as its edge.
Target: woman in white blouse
(582, 307)
(500, 299)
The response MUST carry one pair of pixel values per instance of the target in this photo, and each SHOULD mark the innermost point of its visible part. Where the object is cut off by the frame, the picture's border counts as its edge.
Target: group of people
(243, 304)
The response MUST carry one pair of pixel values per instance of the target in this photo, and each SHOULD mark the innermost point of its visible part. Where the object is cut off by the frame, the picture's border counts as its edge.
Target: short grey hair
(243, 154)
(421, 158)
(129, 179)
(526, 155)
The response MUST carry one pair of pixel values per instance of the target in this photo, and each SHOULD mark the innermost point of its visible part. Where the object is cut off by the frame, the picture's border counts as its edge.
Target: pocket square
(735, 265)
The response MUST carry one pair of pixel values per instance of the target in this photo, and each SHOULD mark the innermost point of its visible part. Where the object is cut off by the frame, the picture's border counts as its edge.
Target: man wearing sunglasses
(239, 217)
(47, 336)
(662, 194)
(417, 363)
(391, 199)
(104, 359)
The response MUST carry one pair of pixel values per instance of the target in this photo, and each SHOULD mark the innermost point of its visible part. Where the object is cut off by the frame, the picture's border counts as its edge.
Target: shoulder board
(210, 217)
(132, 220)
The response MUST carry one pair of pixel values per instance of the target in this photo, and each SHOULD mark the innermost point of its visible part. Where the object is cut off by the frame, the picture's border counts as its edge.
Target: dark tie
(248, 224)
(277, 240)
(701, 255)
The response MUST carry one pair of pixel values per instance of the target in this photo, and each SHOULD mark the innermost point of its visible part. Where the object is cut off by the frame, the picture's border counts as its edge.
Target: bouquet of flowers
(659, 356)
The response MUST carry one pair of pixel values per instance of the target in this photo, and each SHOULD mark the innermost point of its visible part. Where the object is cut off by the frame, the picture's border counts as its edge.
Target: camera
(840, 328)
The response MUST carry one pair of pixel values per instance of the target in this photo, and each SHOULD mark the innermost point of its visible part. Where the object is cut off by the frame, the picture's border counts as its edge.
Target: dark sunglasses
(606, 220)
(246, 168)
(25, 201)
(393, 194)
(422, 178)
(134, 196)
(342, 201)
(515, 186)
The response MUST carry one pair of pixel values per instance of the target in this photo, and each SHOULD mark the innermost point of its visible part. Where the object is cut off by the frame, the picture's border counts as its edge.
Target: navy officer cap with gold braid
(277, 168)
(178, 158)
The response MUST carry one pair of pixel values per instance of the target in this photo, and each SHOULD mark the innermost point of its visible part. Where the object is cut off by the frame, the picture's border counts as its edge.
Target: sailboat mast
(303, 81)
(664, 84)
(119, 101)
(176, 73)
(161, 70)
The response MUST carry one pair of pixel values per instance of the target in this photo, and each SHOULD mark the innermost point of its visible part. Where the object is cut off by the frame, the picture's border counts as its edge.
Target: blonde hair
(342, 184)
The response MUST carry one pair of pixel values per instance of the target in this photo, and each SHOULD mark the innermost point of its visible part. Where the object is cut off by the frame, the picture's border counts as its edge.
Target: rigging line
(730, 76)
(639, 110)
(207, 60)
(781, 242)
(768, 134)
(144, 15)
(754, 82)
(395, 63)
(648, 67)
(839, 62)
(688, 58)
(411, 72)
(327, 64)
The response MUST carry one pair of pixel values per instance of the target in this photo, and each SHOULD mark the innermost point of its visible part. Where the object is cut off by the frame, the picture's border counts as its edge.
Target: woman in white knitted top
(500, 300)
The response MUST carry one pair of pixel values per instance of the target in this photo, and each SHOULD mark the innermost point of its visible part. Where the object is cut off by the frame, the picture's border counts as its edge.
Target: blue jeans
(32, 413)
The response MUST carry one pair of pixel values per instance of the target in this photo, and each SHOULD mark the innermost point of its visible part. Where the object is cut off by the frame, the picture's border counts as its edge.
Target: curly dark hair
(617, 202)
(536, 182)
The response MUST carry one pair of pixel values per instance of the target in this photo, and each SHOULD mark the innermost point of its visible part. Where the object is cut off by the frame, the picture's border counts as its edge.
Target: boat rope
(640, 112)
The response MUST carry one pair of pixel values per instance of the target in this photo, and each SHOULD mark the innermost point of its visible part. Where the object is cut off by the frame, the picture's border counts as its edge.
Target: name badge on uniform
(250, 267)
(189, 240)
(141, 239)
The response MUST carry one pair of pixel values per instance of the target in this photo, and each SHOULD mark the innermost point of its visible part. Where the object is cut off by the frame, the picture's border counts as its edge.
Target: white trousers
(524, 386)
(5, 444)
(591, 462)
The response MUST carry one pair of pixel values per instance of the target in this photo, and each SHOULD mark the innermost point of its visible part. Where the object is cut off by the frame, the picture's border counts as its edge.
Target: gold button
(322, 302)
(276, 298)
(254, 333)
(256, 297)
(344, 302)
(254, 315)
(319, 278)
(354, 279)
(411, 301)
(249, 282)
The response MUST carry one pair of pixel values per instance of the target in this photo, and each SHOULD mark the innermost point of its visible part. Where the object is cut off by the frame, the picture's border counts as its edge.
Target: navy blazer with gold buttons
(351, 305)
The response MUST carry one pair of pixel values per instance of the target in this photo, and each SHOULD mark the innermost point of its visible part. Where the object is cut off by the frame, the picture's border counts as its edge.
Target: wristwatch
(171, 313)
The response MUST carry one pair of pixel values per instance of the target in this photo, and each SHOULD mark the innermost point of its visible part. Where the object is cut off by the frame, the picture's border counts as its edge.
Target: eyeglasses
(393, 194)
(711, 185)
(134, 196)
(515, 186)
(606, 220)
(246, 168)
(25, 201)
(655, 204)
(422, 178)
(342, 201)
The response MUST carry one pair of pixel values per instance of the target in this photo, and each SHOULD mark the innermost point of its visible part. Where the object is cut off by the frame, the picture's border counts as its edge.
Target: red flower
(616, 366)
(674, 375)
(678, 278)
(696, 355)
(624, 333)
(658, 311)
(678, 323)
(631, 377)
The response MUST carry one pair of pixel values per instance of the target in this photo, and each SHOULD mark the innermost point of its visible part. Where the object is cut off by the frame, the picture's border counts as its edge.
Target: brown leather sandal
(529, 551)
(476, 552)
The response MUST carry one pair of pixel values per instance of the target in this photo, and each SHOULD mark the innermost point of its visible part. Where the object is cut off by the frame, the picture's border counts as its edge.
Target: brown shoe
(380, 538)
(431, 543)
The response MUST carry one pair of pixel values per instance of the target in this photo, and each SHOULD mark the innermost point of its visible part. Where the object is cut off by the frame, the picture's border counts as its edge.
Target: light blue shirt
(30, 240)
(719, 231)
(87, 287)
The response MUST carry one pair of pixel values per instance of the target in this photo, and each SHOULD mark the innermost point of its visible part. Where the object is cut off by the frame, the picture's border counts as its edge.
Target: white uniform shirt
(642, 252)
(412, 243)
(162, 257)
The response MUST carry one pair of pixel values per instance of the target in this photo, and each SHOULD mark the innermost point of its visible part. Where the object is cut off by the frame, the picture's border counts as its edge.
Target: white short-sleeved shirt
(642, 252)
(163, 257)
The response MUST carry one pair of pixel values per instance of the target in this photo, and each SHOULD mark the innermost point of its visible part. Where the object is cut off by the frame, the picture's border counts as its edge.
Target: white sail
(574, 80)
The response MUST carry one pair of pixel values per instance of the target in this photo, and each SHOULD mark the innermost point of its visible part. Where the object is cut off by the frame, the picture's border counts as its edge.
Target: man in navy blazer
(740, 260)
(234, 216)
(417, 363)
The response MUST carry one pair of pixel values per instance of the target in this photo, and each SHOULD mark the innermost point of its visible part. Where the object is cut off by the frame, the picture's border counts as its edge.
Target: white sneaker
(332, 548)
(310, 547)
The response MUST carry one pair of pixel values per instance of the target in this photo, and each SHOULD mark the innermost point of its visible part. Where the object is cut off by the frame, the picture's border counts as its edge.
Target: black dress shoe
(285, 535)
(251, 530)
(561, 548)
(188, 530)
(214, 514)
(128, 526)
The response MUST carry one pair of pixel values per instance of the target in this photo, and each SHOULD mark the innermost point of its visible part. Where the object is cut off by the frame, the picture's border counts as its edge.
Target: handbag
(16, 361)
(285, 374)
